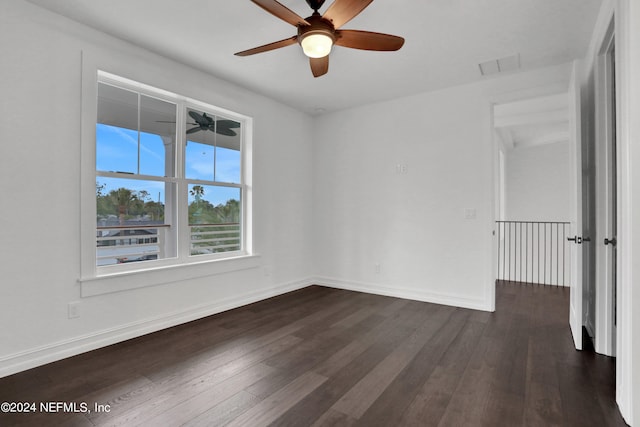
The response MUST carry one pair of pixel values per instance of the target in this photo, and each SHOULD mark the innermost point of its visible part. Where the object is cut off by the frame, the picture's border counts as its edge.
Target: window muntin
(140, 186)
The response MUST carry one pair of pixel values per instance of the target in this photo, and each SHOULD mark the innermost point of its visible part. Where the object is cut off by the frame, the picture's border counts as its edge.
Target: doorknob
(611, 242)
(575, 239)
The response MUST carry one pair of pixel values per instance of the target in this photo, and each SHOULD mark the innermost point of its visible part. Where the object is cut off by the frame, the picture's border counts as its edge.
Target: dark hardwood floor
(328, 357)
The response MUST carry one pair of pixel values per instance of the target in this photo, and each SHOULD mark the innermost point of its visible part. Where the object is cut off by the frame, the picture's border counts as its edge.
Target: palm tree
(197, 191)
(122, 198)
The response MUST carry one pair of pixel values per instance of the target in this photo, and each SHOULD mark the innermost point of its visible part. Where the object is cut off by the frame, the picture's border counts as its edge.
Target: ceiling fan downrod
(315, 4)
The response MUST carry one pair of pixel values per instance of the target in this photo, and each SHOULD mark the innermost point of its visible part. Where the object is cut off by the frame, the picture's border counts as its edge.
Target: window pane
(227, 165)
(117, 130)
(157, 131)
(214, 219)
(213, 148)
(130, 221)
(116, 149)
(227, 151)
(199, 160)
(125, 145)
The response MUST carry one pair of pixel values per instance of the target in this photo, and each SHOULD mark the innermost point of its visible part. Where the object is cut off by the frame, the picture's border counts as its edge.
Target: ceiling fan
(203, 122)
(317, 34)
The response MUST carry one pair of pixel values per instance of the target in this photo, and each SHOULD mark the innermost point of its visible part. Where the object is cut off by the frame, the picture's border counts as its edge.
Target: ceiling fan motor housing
(319, 25)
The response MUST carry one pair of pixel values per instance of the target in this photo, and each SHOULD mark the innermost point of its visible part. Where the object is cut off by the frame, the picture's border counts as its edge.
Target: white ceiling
(533, 122)
(445, 42)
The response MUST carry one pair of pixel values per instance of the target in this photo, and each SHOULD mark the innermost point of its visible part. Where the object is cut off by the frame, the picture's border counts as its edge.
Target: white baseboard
(42, 355)
(413, 294)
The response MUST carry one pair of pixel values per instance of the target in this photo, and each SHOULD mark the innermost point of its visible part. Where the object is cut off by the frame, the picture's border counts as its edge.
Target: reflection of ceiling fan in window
(203, 122)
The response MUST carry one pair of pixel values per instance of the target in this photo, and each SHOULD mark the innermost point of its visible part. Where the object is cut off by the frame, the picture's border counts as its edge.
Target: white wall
(413, 224)
(537, 183)
(40, 213)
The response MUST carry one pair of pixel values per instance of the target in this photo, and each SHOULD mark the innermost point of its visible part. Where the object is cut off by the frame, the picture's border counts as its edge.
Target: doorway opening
(533, 190)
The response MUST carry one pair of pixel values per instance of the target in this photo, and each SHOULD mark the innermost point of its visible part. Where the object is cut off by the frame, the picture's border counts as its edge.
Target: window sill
(125, 281)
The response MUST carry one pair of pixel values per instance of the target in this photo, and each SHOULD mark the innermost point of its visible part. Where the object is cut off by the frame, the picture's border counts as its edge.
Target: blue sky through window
(200, 159)
(117, 151)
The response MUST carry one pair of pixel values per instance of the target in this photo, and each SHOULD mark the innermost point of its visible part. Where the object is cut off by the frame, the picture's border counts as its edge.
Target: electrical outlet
(376, 267)
(73, 310)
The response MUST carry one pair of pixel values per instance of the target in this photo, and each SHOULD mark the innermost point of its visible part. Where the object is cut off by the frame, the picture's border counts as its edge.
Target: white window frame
(96, 280)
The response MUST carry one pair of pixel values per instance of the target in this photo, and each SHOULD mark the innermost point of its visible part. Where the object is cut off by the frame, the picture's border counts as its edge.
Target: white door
(606, 167)
(575, 307)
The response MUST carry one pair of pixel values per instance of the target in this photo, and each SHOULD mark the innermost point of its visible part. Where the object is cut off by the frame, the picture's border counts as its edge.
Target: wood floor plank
(210, 398)
(383, 341)
(432, 400)
(358, 399)
(391, 406)
(224, 412)
(193, 367)
(579, 405)
(193, 381)
(333, 418)
(294, 364)
(314, 352)
(165, 399)
(543, 406)
(542, 395)
(279, 402)
(470, 398)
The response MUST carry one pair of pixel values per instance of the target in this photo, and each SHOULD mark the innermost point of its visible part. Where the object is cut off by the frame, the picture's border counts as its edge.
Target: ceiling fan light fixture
(316, 45)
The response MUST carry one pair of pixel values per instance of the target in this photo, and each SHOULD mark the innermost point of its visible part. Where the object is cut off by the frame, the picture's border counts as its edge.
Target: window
(169, 179)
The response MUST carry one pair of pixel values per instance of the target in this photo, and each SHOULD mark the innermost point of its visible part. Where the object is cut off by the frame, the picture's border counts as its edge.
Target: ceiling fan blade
(367, 40)
(268, 47)
(193, 130)
(197, 117)
(225, 131)
(319, 66)
(229, 124)
(343, 11)
(281, 11)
